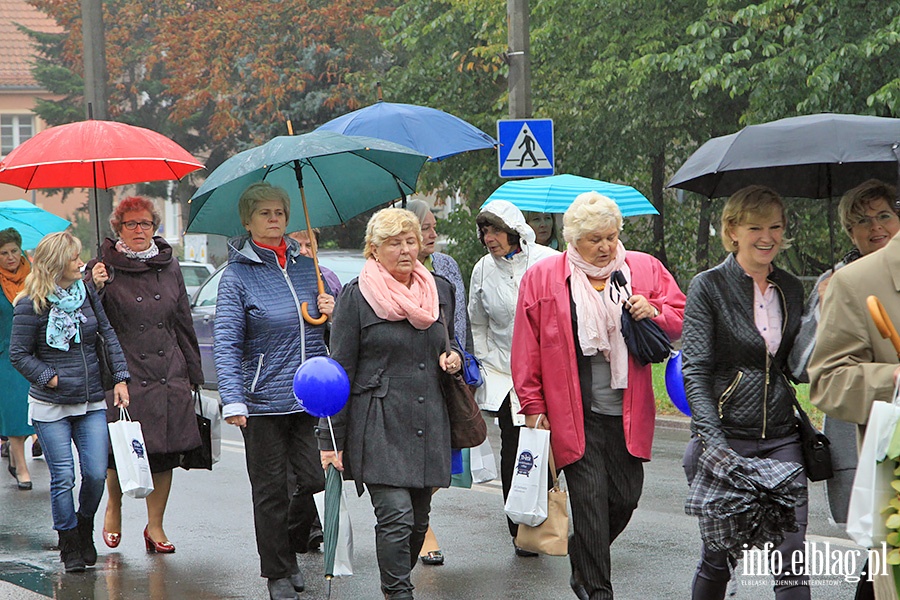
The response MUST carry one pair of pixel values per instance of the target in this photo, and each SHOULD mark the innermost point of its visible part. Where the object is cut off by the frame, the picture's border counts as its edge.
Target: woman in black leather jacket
(740, 322)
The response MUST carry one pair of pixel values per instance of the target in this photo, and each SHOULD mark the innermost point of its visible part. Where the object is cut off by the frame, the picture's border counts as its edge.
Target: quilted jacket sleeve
(105, 328)
(23, 343)
(228, 348)
(698, 360)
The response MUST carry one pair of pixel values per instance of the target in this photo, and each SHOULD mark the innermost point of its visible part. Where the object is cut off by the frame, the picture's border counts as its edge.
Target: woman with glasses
(142, 290)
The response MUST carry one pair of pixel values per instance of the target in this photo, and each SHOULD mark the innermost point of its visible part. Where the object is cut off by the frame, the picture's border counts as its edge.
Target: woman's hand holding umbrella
(330, 457)
(99, 275)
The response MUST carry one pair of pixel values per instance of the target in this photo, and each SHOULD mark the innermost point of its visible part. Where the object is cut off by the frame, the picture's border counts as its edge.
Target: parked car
(195, 273)
(346, 264)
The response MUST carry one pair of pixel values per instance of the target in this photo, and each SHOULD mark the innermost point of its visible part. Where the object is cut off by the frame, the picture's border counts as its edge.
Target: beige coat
(852, 366)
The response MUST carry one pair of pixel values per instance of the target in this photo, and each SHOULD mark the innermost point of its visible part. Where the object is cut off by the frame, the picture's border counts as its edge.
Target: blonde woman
(53, 345)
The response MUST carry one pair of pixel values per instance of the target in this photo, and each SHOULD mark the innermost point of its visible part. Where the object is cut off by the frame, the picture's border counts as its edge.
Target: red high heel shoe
(111, 539)
(158, 547)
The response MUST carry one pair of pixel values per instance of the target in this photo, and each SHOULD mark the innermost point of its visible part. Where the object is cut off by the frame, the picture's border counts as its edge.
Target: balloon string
(331, 431)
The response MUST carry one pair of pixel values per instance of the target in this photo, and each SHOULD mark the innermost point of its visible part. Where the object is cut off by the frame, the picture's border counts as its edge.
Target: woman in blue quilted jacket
(261, 338)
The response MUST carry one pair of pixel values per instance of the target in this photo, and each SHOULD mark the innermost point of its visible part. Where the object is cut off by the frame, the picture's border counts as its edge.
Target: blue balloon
(321, 386)
(675, 384)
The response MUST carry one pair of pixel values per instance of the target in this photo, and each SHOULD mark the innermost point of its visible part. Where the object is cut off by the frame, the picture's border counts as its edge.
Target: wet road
(210, 522)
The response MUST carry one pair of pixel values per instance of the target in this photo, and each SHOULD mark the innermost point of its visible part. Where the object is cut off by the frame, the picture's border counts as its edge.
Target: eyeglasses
(132, 225)
(882, 219)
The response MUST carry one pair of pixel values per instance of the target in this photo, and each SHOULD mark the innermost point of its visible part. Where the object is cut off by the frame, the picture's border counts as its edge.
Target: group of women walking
(547, 324)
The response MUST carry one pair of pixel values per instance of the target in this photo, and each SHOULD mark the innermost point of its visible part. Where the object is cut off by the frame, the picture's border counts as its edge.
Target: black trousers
(604, 488)
(274, 445)
(509, 447)
(401, 516)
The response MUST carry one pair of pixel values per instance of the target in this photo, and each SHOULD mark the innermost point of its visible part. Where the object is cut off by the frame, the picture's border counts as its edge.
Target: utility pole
(519, 58)
(95, 99)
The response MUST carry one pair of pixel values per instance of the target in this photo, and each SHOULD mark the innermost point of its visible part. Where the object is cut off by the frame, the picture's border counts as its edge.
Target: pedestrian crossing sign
(526, 147)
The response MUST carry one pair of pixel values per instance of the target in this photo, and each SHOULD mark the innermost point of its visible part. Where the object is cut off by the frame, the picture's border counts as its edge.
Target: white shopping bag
(872, 485)
(482, 463)
(527, 500)
(208, 406)
(343, 557)
(128, 448)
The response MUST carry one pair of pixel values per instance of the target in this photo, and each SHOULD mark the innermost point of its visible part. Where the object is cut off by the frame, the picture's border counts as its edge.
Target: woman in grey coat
(394, 432)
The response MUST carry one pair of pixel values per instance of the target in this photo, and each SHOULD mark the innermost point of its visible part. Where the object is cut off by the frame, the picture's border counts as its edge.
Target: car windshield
(194, 275)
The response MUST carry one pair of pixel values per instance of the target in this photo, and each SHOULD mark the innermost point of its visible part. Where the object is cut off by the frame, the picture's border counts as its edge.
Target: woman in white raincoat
(493, 292)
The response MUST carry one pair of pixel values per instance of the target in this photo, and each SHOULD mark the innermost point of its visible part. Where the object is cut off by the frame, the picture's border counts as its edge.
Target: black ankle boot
(86, 539)
(70, 551)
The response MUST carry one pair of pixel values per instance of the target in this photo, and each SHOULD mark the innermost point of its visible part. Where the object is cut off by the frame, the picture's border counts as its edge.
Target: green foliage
(462, 240)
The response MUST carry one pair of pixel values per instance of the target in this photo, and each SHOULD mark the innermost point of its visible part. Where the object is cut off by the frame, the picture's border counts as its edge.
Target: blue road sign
(526, 148)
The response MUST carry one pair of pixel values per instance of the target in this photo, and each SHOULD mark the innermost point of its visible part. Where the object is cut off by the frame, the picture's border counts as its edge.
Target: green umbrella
(331, 521)
(341, 175)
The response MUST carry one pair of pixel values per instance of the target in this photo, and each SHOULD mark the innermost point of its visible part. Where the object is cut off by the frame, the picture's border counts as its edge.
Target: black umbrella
(813, 156)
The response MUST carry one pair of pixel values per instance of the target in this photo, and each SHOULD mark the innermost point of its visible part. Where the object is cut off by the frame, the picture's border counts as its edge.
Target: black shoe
(4, 449)
(315, 540)
(435, 557)
(36, 449)
(523, 552)
(86, 538)
(297, 581)
(70, 551)
(578, 587)
(281, 589)
(23, 485)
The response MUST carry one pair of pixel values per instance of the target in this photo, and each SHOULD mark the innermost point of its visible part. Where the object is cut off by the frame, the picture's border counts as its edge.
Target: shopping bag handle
(123, 414)
(883, 322)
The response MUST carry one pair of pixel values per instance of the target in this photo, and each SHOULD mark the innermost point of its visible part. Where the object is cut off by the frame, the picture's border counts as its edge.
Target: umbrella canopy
(95, 154)
(342, 176)
(331, 518)
(32, 222)
(555, 194)
(813, 156)
(426, 130)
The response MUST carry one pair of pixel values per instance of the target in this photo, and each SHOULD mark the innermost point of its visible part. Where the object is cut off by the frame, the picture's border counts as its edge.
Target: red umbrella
(95, 154)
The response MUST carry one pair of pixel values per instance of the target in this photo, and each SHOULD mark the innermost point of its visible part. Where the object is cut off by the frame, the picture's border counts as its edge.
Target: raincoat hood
(513, 218)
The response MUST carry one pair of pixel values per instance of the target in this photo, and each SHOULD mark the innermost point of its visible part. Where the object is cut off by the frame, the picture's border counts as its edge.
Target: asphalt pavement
(210, 521)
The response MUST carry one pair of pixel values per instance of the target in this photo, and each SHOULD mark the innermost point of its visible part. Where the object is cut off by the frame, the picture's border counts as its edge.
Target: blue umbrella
(555, 194)
(428, 131)
(32, 222)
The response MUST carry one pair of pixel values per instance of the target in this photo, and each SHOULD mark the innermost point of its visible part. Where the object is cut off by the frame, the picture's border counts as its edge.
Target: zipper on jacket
(729, 391)
(87, 385)
(766, 394)
(287, 280)
(259, 364)
(784, 318)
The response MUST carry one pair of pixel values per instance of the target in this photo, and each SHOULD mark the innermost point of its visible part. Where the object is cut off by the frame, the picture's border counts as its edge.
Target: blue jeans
(92, 442)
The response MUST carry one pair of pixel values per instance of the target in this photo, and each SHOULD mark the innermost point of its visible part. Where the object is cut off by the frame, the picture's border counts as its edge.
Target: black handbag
(467, 426)
(200, 457)
(645, 339)
(815, 446)
(102, 350)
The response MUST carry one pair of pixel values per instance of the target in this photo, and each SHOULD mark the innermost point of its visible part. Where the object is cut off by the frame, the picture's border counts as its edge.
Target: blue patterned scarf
(65, 316)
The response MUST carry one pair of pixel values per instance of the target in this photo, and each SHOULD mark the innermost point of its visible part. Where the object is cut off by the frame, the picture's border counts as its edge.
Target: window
(14, 129)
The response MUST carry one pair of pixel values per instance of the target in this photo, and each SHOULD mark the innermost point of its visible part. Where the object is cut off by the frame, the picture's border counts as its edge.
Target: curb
(678, 423)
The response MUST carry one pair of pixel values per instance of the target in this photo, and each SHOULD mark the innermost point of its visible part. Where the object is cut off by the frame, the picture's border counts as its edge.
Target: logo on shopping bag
(526, 463)
(138, 448)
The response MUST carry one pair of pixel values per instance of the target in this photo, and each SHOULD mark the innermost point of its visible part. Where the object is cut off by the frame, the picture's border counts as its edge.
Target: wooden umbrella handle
(883, 322)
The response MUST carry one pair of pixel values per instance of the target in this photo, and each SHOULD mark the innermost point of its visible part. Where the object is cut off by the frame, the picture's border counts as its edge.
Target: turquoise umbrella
(340, 175)
(32, 222)
(556, 193)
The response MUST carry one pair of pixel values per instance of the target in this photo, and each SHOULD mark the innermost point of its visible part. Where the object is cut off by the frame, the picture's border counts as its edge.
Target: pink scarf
(393, 301)
(599, 315)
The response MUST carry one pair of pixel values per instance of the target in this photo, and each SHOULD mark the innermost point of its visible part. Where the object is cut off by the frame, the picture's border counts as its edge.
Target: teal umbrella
(341, 176)
(32, 222)
(556, 193)
(331, 520)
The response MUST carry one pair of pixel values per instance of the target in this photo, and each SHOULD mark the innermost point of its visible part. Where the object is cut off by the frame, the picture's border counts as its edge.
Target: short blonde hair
(387, 223)
(48, 263)
(855, 202)
(591, 211)
(133, 204)
(261, 192)
(746, 203)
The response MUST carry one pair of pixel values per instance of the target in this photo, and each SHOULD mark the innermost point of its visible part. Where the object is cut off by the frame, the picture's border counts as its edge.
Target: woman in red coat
(570, 366)
(144, 296)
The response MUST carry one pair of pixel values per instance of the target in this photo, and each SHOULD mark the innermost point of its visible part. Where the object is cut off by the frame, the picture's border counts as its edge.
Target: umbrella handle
(313, 247)
(883, 322)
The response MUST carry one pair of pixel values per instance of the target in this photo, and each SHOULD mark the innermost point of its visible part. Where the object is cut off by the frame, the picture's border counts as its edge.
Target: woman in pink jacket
(570, 366)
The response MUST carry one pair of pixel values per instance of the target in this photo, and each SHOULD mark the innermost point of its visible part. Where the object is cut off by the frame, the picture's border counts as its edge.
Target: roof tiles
(16, 48)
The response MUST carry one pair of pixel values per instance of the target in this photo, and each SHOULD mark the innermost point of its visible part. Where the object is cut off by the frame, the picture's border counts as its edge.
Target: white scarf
(599, 315)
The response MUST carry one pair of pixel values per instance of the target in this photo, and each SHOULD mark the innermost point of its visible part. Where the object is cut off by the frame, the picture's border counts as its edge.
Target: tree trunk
(656, 190)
